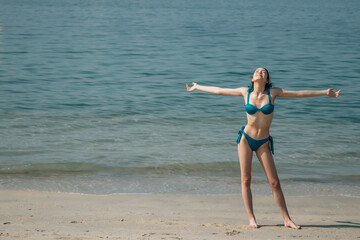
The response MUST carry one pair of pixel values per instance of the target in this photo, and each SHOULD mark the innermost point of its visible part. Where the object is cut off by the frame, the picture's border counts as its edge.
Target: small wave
(215, 168)
(200, 169)
(48, 169)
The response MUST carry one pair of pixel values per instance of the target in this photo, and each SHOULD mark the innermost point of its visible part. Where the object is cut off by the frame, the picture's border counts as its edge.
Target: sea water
(93, 97)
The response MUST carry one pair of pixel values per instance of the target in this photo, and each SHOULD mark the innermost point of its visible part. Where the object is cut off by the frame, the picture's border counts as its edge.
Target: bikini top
(251, 109)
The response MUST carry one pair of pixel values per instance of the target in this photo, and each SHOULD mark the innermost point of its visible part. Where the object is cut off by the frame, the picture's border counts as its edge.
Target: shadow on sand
(342, 224)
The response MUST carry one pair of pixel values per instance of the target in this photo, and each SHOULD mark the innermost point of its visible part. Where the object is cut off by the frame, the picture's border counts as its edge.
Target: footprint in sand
(233, 233)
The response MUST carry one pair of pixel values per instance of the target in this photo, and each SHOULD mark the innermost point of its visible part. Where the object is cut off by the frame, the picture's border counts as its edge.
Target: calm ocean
(93, 97)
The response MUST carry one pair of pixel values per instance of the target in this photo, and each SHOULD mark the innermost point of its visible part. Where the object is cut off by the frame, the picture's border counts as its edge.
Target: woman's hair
(268, 85)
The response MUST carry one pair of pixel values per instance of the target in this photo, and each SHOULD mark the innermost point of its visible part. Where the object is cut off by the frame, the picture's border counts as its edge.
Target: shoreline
(176, 194)
(28, 214)
(178, 186)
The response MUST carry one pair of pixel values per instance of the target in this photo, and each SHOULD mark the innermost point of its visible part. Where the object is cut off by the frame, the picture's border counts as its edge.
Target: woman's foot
(291, 224)
(253, 224)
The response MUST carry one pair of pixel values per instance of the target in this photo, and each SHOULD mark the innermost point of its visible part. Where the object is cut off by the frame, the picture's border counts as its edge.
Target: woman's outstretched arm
(216, 90)
(278, 92)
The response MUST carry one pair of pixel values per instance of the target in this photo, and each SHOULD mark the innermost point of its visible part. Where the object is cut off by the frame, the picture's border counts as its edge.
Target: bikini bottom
(253, 143)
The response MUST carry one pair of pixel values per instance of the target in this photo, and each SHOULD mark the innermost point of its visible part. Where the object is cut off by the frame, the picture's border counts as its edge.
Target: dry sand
(44, 215)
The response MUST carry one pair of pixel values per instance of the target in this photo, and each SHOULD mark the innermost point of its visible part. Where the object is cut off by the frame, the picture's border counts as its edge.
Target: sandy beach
(45, 215)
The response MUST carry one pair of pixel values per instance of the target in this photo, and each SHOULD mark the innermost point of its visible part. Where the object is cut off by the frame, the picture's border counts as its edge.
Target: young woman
(259, 98)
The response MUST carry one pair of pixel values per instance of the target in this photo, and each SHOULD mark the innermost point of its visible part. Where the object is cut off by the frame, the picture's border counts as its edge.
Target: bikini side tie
(240, 134)
(271, 144)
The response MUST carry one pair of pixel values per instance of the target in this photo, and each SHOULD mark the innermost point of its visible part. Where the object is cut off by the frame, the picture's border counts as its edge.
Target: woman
(259, 98)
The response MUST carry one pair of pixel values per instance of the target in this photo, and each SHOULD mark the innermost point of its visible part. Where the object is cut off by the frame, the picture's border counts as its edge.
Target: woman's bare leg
(245, 158)
(267, 161)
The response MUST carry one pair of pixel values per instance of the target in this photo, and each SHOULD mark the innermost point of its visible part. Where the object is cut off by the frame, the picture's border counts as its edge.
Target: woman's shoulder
(275, 90)
(243, 90)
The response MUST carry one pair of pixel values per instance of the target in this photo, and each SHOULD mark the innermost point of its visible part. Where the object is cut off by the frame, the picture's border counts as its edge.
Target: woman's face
(259, 74)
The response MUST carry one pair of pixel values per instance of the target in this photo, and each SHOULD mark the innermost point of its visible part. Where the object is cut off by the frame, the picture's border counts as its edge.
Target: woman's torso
(259, 123)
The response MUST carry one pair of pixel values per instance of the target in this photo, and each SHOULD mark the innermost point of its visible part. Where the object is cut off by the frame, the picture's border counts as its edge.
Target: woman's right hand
(190, 89)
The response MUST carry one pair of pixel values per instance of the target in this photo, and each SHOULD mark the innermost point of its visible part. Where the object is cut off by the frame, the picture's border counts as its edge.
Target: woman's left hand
(332, 94)
(190, 89)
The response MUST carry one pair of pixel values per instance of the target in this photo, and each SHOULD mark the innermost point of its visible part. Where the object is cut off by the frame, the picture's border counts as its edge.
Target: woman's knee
(245, 181)
(275, 184)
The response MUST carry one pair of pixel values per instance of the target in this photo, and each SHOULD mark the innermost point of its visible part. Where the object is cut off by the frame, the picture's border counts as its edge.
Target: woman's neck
(258, 88)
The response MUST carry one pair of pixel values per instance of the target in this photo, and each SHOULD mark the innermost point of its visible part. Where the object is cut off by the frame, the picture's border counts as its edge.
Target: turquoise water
(93, 97)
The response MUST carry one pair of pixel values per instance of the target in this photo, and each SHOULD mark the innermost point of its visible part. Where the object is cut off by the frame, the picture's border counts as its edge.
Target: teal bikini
(251, 109)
